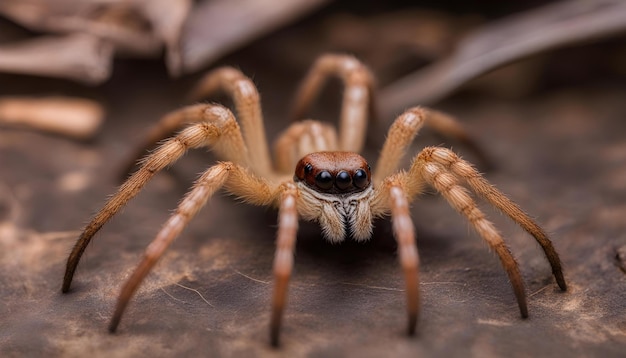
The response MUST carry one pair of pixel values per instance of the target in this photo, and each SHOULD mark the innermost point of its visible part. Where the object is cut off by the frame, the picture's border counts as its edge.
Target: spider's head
(336, 173)
(335, 190)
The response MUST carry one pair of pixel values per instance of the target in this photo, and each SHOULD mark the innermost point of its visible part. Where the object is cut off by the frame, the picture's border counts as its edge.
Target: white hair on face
(335, 212)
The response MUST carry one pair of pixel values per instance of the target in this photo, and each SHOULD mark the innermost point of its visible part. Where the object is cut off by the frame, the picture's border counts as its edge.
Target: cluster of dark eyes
(342, 181)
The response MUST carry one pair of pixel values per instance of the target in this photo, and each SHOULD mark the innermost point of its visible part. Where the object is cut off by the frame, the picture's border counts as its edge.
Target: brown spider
(332, 184)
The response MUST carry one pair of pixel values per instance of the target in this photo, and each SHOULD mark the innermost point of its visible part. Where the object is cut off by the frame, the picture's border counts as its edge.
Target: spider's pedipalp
(482, 187)
(219, 124)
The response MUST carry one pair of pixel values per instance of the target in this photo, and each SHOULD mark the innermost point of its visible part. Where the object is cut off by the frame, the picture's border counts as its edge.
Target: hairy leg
(166, 127)
(203, 189)
(302, 138)
(404, 129)
(283, 260)
(236, 179)
(446, 183)
(399, 138)
(220, 131)
(407, 250)
(248, 107)
(482, 187)
(357, 99)
(448, 126)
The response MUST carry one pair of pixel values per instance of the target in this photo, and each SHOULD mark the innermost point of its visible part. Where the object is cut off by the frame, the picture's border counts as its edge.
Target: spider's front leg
(462, 169)
(204, 188)
(283, 259)
(442, 169)
(235, 178)
(218, 130)
(251, 189)
(358, 98)
(392, 196)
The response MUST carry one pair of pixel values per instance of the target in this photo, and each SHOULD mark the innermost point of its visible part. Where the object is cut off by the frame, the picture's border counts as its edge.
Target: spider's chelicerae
(316, 175)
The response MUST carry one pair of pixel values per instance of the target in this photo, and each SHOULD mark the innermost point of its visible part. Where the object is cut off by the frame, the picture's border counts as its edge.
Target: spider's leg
(164, 128)
(404, 129)
(283, 259)
(236, 179)
(203, 189)
(300, 139)
(248, 108)
(482, 187)
(220, 131)
(357, 99)
(399, 137)
(458, 197)
(447, 126)
(392, 192)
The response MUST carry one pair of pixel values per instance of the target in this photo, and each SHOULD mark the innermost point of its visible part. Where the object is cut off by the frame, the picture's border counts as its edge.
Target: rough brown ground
(558, 153)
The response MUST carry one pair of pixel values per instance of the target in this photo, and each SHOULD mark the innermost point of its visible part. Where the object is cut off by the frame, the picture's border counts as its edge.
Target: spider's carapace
(334, 172)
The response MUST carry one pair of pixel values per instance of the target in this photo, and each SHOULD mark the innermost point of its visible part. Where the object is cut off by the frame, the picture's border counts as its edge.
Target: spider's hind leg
(358, 97)
(300, 139)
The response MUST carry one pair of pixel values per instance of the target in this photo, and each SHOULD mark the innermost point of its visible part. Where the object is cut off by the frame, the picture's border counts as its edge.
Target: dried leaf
(80, 57)
(507, 40)
(117, 21)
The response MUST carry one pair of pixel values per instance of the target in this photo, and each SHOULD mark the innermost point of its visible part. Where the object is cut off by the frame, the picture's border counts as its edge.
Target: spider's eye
(343, 180)
(324, 180)
(360, 179)
(308, 168)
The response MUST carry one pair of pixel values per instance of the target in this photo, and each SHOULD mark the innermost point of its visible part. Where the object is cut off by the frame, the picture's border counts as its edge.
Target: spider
(316, 175)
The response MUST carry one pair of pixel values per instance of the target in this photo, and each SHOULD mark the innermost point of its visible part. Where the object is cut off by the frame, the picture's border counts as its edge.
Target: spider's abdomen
(334, 172)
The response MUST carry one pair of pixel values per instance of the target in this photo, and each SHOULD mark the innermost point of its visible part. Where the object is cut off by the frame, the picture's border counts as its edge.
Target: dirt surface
(560, 154)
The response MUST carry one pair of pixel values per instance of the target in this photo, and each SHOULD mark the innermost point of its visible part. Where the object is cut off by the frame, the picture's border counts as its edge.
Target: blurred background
(540, 85)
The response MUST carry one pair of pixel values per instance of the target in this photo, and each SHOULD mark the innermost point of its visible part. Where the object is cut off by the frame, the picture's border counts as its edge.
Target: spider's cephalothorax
(339, 186)
(332, 184)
